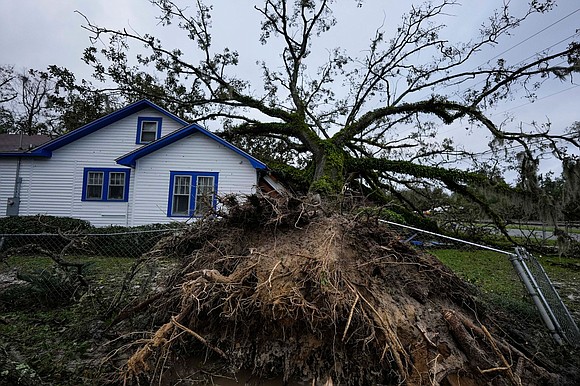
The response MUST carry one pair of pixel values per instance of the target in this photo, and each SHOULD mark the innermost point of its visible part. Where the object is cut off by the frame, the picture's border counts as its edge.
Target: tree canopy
(340, 122)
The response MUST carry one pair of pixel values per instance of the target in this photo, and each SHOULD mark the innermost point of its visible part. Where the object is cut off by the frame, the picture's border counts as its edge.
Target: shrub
(41, 224)
(126, 241)
(35, 225)
(42, 231)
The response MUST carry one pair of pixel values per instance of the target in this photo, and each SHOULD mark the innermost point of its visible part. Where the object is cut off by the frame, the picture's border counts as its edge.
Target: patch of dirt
(308, 297)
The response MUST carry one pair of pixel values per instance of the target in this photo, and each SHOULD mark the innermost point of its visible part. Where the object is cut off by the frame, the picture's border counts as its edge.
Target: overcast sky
(38, 33)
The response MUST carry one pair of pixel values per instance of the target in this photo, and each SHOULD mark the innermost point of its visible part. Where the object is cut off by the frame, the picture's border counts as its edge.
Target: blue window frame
(191, 194)
(148, 129)
(106, 184)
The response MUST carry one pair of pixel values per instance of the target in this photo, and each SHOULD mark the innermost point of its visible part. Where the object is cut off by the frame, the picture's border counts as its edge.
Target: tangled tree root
(332, 301)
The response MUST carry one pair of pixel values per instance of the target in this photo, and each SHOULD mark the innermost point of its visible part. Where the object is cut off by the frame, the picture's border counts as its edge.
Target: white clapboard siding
(196, 153)
(53, 186)
(7, 179)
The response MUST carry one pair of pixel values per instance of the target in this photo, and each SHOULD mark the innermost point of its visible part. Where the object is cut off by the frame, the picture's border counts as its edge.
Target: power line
(523, 60)
(457, 93)
(534, 35)
(517, 107)
(511, 147)
(539, 99)
(520, 62)
(552, 46)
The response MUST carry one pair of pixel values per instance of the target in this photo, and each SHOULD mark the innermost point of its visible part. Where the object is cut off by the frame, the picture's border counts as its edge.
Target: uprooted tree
(277, 288)
(277, 291)
(339, 122)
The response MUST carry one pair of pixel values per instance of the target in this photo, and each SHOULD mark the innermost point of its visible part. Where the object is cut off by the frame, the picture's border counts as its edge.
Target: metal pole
(574, 325)
(532, 290)
(447, 237)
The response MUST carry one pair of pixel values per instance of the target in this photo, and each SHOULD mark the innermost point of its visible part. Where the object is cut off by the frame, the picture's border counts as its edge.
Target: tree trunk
(329, 173)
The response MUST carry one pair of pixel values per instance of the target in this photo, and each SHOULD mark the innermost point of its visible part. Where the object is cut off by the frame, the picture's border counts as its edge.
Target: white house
(139, 165)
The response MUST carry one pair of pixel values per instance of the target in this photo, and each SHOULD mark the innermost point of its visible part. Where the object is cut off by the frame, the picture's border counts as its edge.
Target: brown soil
(320, 299)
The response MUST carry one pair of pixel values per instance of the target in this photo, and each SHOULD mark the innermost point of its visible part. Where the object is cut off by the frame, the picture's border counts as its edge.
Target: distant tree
(73, 104)
(34, 88)
(7, 92)
(571, 190)
(351, 138)
(48, 102)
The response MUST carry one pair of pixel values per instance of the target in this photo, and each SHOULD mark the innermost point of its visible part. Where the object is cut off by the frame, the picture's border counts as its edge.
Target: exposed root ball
(334, 300)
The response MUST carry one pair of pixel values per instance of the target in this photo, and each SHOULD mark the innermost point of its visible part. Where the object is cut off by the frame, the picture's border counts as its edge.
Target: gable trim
(25, 154)
(46, 149)
(130, 159)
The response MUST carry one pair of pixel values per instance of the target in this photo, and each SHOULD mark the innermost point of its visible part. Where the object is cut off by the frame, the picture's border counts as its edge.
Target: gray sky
(38, 33)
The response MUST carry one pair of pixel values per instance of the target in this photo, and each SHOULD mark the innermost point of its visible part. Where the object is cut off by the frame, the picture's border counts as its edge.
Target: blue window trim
(192, 191)
(106, 172)
(140, 121)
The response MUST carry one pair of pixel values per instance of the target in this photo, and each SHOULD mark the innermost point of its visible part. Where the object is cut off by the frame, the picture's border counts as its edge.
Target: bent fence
(133, 244)
(528, 269)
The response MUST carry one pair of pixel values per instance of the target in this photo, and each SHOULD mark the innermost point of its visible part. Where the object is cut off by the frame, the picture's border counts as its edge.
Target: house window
(181, 196)
(105, 184)
(205, 194)
(116, 186)
(148, 129)
(94, 185)
(192, 194)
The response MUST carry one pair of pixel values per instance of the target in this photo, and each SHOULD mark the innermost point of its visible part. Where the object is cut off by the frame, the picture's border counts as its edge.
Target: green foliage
(331, 179)
(382, 213)
(38, 225)
(414, 219)
(413, 169)
(128, 241)
(41, 224)
(6, 121)
(298, 179)
(48, 102)
(325, 185)
(74, 105)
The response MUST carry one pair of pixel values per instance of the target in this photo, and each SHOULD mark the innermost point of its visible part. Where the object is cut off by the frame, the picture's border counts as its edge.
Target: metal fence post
(535, 294)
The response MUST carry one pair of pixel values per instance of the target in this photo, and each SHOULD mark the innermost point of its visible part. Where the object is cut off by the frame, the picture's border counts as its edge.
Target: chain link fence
(515, 280)
(553, 311)
(116, 244)
(489, 268)
(115, 268)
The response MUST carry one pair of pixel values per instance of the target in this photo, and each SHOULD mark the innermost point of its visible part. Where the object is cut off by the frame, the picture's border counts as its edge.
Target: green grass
(499, 284)
(539, 228)
(562, 268)
(490, 271)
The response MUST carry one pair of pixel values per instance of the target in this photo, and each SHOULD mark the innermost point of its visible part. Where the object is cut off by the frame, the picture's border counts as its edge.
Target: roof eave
(43, 154)
(130, 159)
(105, 121)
